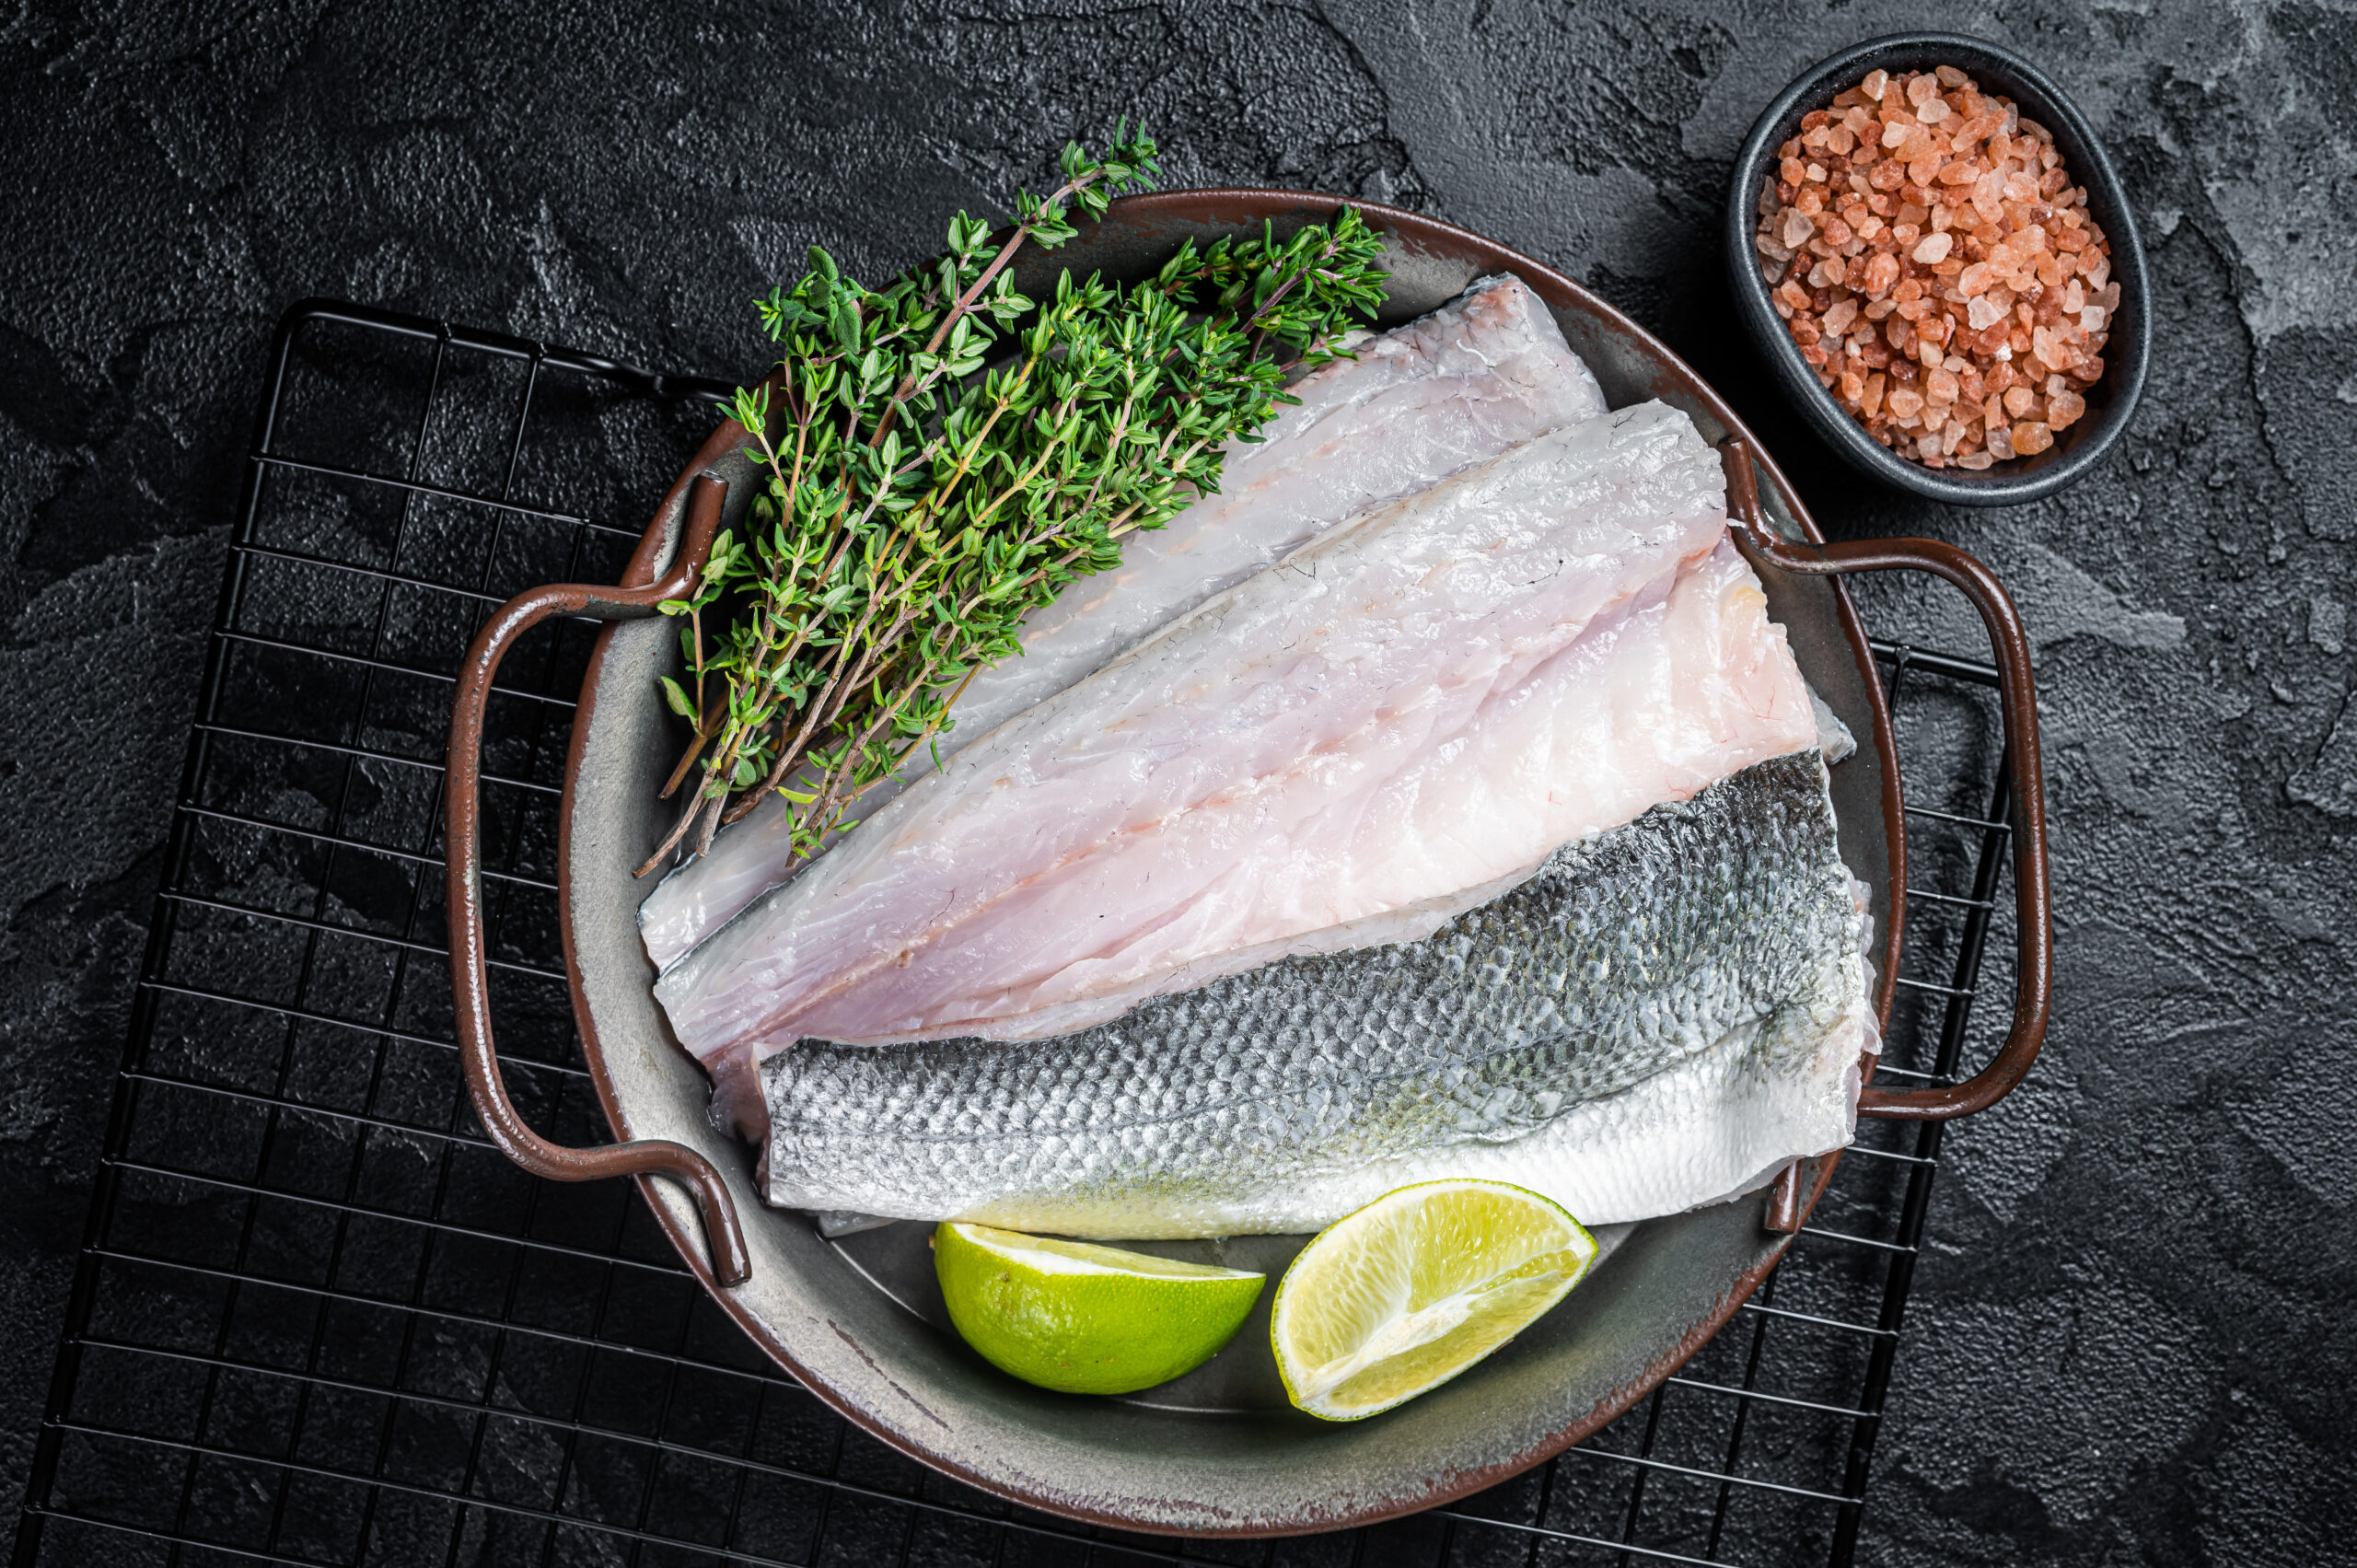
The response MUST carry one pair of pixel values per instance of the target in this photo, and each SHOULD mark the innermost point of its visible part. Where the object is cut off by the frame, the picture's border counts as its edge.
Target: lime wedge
(1083, 1318)
(1413, 1289)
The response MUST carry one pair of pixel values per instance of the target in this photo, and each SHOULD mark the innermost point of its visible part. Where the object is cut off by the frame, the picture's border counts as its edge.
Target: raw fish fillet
(1485, 372)
(1661, 1016)
(1397, 724)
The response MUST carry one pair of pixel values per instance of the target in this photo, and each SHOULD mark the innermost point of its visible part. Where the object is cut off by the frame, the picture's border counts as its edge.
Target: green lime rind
(1081, 1319)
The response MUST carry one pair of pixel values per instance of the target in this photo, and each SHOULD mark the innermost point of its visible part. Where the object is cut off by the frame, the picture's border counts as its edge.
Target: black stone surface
(2130, 1341)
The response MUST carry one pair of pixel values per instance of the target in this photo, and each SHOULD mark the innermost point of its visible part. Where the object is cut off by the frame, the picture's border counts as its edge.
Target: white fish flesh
(1397, 724)
(1485, 372)
(1663, 1016)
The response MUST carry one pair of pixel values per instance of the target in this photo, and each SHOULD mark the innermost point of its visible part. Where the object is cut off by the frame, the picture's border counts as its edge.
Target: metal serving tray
(1216, 1453)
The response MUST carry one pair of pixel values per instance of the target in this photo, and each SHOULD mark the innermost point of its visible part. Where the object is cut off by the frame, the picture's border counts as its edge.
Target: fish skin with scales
(1661, 1016)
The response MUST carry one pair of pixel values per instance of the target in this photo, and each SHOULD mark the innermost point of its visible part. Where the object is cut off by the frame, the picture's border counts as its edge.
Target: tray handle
(470, 973)
(2034, 987)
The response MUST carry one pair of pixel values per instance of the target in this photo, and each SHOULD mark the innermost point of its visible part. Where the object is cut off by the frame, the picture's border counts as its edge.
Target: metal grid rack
(318, 1320)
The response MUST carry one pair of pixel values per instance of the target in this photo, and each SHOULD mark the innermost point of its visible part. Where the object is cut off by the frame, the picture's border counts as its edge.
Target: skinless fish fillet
(1661, 695)
(1347, 748)
(1661, 1016)
(1485, 372)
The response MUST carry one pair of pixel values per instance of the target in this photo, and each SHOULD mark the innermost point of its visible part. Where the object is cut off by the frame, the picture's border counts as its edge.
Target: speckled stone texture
(2130, 1341)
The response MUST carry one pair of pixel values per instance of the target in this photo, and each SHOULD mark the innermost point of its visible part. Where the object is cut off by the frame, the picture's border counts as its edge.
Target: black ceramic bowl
(2110, 403)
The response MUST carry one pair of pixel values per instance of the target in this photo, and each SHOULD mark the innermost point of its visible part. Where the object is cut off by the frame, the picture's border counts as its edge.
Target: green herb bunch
(943, 455)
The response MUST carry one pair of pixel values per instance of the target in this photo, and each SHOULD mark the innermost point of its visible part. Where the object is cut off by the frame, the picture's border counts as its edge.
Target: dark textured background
(2131, 1340)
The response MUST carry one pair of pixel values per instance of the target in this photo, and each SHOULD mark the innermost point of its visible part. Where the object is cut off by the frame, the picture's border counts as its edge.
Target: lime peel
(1083, 1318)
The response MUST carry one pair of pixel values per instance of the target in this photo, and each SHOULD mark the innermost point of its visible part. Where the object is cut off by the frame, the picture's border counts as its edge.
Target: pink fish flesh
(1486, 371)
(1396, 723)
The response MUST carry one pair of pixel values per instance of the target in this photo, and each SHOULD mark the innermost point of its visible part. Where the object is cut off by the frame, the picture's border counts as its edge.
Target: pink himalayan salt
(1917, 194)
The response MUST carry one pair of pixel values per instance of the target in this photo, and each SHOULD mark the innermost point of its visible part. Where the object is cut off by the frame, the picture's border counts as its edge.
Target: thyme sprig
(918, 505)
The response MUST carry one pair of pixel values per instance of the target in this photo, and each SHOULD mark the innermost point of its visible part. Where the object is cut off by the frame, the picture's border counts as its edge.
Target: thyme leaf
(942, 455)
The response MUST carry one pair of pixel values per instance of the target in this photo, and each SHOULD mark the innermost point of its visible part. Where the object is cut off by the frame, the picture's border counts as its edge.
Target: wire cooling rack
(319, 1320)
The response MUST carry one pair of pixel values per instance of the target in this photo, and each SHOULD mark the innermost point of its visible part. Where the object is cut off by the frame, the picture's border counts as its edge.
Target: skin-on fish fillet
(1485, 372)
(1662, 1015)
(1402, 719)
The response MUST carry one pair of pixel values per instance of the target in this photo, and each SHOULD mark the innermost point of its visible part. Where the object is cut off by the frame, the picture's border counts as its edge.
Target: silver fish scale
(1724, 921)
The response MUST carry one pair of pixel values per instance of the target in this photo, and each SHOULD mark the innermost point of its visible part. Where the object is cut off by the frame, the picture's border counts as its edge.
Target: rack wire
(317, 1319)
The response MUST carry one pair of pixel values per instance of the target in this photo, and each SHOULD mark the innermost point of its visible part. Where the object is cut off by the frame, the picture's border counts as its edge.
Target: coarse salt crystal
(1964, 239)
